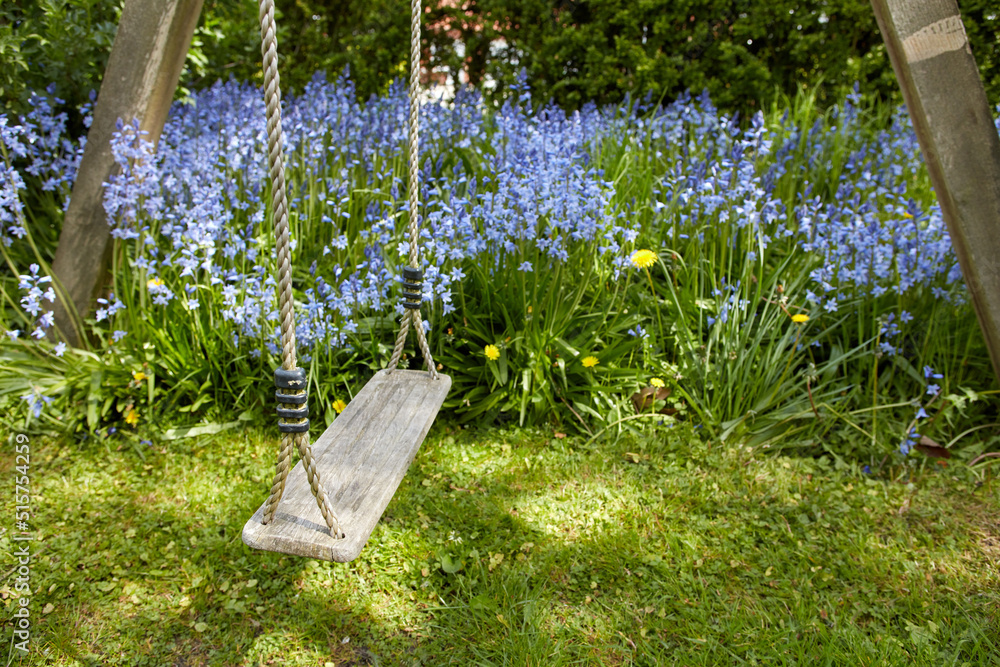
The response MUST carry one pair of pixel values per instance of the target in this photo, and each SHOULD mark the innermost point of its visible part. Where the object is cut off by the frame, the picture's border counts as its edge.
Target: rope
(414, 196)
(276, 161)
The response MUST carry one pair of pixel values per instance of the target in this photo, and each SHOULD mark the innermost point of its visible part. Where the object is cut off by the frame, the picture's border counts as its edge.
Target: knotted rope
(412, 314)
(296, 430)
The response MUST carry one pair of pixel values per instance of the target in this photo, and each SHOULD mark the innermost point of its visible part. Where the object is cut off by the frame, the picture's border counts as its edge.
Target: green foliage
(369, 38)
(744, 53)
(59, 43)
(544, 324)
(981, 19)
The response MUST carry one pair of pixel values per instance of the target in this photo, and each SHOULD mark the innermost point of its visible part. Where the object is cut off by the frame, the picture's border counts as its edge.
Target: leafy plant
(787, 278)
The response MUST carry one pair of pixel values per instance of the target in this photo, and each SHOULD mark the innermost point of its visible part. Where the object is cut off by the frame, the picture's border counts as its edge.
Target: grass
(512, 547)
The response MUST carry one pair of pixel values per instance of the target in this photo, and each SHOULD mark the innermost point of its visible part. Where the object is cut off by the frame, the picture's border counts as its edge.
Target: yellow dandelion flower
(138, 376)
(339, 406)
(799, 318)
(656, 382)
(492, 352)
(154, 282)
(643, 259)
(132, 418)
(589, 362)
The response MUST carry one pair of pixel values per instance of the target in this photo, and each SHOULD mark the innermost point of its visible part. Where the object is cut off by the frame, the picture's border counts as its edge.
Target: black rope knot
(292, 402)
(412, 288)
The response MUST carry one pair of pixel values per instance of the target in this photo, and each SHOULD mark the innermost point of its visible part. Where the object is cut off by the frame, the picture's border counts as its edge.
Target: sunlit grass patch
(516, 547)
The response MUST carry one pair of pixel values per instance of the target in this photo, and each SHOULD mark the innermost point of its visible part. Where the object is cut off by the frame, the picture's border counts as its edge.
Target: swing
(368, 448)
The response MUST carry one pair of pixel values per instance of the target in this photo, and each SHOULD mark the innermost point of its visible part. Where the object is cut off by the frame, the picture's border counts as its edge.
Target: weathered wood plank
(361, 459)
(944, 95)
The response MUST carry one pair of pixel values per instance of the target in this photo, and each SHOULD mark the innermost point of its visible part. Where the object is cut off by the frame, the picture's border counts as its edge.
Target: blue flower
(36, 401)
(906, 446)
(933, 389)
(638, 331)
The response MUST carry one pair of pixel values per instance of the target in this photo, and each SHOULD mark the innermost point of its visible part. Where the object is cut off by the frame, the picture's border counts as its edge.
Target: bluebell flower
(906, 446)
(933, 389)
(639, 332)
(36, 401)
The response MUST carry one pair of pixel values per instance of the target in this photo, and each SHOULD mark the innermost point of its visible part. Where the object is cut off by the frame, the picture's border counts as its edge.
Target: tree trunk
(143, 69)
(943, 92)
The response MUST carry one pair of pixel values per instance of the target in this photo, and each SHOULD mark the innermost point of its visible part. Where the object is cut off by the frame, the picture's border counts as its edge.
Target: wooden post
(142, 74)
(947, 103)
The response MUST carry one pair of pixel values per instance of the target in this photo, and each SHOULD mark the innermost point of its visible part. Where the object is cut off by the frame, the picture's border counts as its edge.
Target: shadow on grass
(498, 550)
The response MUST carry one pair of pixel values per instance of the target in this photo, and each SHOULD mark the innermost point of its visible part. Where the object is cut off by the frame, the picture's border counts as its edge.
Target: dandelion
(339, 405)
(154, 282)
(138, 376)
(800, 318)
(492, 352)
(589, 362)
(656, 382)
(132, 418)
(643, 259)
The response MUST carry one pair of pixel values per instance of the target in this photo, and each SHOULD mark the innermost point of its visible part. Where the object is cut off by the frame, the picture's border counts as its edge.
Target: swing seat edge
(361, 458)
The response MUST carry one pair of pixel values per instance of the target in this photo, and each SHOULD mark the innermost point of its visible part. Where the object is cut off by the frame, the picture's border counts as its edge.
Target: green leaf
(93, 399)
(204, 429)
(451, 566)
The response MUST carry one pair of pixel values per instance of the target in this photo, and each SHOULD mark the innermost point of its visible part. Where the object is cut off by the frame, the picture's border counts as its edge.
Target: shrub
(746, 54)
(60, 44)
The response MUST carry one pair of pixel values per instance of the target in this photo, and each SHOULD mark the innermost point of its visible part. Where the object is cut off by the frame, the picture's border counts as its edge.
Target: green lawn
(512, 547)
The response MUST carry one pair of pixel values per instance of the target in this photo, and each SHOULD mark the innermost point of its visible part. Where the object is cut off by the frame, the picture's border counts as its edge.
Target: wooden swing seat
(361, 460)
